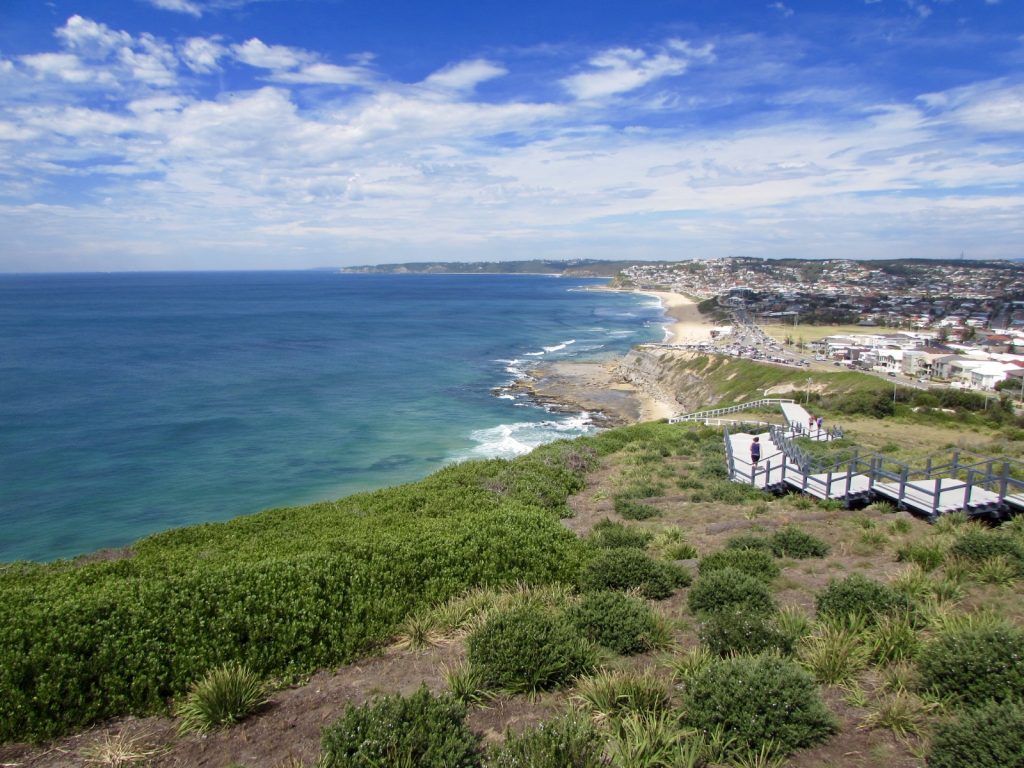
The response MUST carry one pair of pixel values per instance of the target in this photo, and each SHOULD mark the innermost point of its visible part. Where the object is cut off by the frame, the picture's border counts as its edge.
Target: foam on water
(559, 347)
(506, 441)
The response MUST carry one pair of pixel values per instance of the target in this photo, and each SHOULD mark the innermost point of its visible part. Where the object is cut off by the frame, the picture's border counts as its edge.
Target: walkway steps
(832, 485)
(939, 496)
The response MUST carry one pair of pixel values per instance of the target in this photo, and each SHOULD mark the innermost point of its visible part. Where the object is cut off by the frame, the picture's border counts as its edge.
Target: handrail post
(903, 482)
(955, 464)
(968, 489)
(1004, 480)
(928, 469)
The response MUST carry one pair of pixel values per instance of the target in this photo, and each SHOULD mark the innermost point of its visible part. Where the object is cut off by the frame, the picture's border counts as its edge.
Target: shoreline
(602, 387)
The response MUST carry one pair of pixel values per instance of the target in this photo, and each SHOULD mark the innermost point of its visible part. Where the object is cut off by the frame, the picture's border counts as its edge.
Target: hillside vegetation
(669, 618)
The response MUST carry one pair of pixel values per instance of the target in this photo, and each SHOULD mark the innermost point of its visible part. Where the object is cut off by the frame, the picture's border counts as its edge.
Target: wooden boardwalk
(986, 488)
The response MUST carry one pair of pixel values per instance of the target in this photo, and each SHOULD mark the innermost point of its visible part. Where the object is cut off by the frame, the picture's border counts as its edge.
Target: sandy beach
(688, 325)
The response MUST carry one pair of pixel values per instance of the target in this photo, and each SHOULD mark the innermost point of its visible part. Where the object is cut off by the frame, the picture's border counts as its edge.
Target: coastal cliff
(663, 377)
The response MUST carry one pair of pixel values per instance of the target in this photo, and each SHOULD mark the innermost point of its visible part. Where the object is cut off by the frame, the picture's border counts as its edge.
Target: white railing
(704, 415)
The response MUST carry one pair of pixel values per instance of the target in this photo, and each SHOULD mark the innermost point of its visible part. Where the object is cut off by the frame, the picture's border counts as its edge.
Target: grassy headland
(290, 591)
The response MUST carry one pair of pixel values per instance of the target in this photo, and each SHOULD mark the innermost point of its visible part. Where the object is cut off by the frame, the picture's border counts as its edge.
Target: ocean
(132, 403)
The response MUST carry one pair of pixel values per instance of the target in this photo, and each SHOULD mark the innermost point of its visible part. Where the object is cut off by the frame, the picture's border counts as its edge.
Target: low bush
(528, 648)
(737, 630)
(975, 664)
(989, 736)
(419, 730)
(749, 541)
(763, 702)
(608, 534)
(628, 569)
(927, 554)
(631, 509)
(225, 696)
(621, 624)
(976, 546)
(793, 542)
(725, 491)
(728, 588)
(570, 741)
(753, 562)
(857, 595)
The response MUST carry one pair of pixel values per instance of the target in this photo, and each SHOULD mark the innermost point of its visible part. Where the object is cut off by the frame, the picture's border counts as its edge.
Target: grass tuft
(225, 696)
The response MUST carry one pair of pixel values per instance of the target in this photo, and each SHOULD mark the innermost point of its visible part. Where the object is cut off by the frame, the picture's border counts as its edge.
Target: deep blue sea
(133, 403)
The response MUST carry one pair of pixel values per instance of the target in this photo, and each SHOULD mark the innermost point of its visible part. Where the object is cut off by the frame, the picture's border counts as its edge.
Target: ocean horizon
(131, 403)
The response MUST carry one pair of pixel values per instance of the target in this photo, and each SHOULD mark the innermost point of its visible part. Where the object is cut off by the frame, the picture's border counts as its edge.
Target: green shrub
(630, 509)
(761, 701)
(729, 589)
(857, 595)
(285, 592)
(627, 569)
(528, 648)
(641, 489)
(975, 664)
(753, 562)
(611, 535)
(989, 736)
(570, 741)
(737, 630)
(622, 624)
(419, 730)
(749, 541)
(225, 696)
(976, 546)
(793, 542)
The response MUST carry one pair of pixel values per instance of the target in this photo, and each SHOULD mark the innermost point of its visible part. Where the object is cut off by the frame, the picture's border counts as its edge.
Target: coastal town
(938, 323)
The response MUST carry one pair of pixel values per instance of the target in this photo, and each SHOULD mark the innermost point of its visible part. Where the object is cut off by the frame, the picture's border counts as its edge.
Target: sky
(289, 134)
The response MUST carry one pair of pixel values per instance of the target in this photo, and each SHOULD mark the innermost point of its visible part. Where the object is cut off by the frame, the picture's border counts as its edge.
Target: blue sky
(254, 134)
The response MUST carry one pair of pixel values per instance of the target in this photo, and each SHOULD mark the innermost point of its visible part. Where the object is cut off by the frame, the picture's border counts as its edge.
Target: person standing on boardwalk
(810, 423)
(755, 452)
(819, 422)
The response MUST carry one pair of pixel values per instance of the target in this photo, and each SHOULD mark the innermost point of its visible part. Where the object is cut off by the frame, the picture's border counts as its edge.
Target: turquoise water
(132, 403)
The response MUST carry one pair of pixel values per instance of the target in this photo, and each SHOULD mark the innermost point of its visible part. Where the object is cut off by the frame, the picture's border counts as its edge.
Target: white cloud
(256, 53)
(426, 169)
(151, 61)
(465, 75)
(781, 8)
(620, 70)
(91, 39)
(180, 6)
(65, 66)
(992, 106)
(201, 54)
(325, 74)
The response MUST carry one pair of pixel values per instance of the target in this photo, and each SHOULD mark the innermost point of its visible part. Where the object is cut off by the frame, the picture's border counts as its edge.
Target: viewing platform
(984, 488)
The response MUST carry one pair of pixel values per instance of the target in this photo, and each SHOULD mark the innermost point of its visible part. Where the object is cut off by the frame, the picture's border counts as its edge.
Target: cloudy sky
(233, 134)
